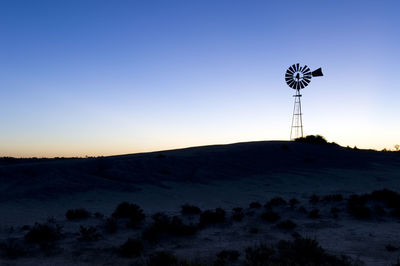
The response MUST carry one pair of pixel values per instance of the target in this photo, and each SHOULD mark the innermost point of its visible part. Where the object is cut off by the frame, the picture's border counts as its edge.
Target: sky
(93, 77)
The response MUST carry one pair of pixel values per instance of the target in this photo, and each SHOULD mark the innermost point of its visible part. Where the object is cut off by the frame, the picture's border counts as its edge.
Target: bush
(389, 197)
(162, 258)
(237, 209)
(286, 225)
(357, 208)
(333, 197)
(98, 215)
(88, 234)
(131, 248)
(77, 214)
(211, 217)
(164, 225)
(391, 248)
(187, 209)
(300, 252)
(270, 216)
(111, 225)
(43, 233)
(237, 216)
(314, 214)
(131, 211)
(255, 205)
(313, 139)
(276, 201)
(12, 248)
(335, 211)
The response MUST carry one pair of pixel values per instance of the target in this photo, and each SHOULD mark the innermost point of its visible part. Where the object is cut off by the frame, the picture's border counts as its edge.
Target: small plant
(237, 209)
(255, 205)
(131, 248)
(131, 211)
(88, 234)
(332, 197)
(162, 258)
(276, 201)
(164, 225)
(270, 216)
(43, 233)
(286, 225)
(211, 217)
(314, 214)
(188, 209)
(75, 214)
(237, 216)
(356, 207)
(111, 225)
(229, 254)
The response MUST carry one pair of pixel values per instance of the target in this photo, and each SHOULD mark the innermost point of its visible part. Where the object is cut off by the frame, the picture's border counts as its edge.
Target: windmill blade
(297, 67)
(306, 80)
(301, 85)
(292, 68)
(289, 71)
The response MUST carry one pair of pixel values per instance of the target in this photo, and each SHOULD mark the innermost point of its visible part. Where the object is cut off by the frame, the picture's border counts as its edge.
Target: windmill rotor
(298, 77)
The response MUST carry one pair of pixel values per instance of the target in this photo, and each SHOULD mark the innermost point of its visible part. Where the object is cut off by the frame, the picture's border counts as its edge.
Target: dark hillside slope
(52, 177)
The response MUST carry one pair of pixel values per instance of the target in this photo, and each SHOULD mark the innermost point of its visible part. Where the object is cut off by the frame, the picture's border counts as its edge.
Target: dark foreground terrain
(257, 203)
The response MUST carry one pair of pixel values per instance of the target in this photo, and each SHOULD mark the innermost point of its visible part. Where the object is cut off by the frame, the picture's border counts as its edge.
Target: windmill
(298, 77)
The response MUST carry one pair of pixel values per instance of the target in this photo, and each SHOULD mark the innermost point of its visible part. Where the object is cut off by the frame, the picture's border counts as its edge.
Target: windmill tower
(298, 77)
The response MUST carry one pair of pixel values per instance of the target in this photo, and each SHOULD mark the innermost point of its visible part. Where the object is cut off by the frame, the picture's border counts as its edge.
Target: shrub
(357, 208)
(255, 205)
(111, 225)
(12, 248)
(314, 214)
(88, 234)
(212, 217)
(77, 214)
(313, 139)
(162, 258)
(389, 197)
(286, 225)
(131, 248)
(276, 201)
(335, 211)
(237, 216)
(43, 233)
(187, 209)
(163, 225)
(229, 254)
(131, 211)
(270, 216)
(333, 197)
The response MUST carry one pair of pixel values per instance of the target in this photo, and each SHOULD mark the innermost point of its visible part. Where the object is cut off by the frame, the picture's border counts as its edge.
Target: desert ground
(326, 192)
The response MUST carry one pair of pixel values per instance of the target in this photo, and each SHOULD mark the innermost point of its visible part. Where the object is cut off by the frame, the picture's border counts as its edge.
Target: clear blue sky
(83, 77)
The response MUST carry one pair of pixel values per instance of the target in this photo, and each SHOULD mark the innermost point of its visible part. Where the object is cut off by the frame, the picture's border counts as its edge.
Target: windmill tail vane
(298, 77)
